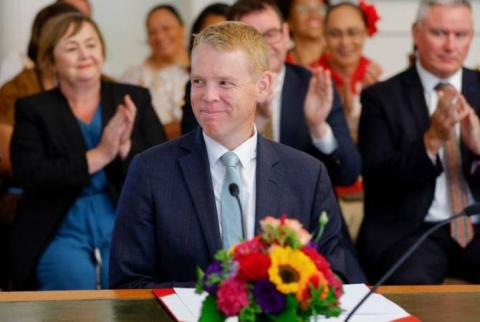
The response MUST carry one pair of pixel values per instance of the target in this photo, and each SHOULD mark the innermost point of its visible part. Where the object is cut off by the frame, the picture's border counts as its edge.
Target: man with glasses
(304, 110)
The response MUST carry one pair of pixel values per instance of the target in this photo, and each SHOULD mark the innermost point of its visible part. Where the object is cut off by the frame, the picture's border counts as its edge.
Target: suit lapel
(69, 128)
(267, 182)
(471, 92)
(291, 115)
(416, 97)
(196, 173)
(471, 89)
(108, 101)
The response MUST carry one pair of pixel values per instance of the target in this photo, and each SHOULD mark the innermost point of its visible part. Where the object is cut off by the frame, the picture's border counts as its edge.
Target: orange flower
(304, 294)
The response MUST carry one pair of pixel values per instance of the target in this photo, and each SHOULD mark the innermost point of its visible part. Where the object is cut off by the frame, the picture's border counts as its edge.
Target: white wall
(122, 22)
(392, 44)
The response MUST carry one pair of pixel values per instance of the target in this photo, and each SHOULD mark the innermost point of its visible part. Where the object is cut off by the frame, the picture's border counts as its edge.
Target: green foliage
(250, 313)
(210, 312)
(284, 236)
(200, 286)
(327, 306)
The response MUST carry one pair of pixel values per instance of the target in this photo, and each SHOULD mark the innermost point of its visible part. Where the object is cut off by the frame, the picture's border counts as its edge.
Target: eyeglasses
(273, 35)
(353, 33)
(303, 9)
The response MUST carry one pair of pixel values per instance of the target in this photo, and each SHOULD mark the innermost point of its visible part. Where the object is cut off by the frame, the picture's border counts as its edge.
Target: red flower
(254, 266)
(324, 267)
(232, 297)
(371, 15)
(254, 245)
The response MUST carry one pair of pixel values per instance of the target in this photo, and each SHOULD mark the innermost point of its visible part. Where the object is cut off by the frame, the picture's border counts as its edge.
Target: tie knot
(229, 159)
(442, 86)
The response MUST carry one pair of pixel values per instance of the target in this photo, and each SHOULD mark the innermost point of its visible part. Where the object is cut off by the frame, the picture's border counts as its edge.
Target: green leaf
(250, 313)
(209, 312)
(222, 256)
(214, 279)
(200, 286)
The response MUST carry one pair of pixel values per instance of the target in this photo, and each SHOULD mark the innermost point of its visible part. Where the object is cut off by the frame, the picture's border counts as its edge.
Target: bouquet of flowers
(276, 276)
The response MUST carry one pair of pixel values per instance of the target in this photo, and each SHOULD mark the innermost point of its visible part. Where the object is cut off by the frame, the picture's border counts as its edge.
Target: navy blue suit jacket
(167, 222)
(343, 164)
(399, 176)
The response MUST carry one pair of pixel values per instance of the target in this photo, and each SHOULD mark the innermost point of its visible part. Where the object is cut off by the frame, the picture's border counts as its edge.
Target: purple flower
(267, 297)
(213, 268)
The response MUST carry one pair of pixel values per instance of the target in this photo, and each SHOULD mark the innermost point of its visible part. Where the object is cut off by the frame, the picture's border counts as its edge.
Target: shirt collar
(279, 79)
(429, 81)
(245, 151)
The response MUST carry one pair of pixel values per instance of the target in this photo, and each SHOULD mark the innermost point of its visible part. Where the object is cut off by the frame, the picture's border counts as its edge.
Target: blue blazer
(167, 222)
(343, 164)
(399, 176)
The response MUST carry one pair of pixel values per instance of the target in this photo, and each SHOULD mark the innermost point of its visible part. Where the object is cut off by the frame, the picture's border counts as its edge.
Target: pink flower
(254, 245)
(303, 235)
(269, 221)
(232, 297)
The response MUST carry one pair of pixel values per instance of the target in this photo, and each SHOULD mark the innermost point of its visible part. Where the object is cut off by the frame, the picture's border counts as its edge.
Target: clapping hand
(446, 115)
(129, 111)
(112, 133)
(319, 101)
(116, 134)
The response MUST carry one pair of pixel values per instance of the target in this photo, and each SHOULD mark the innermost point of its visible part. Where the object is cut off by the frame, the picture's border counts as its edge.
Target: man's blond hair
(233, 35)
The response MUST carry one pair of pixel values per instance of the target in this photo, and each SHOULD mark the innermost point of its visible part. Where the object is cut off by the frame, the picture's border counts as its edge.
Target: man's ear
(264, 86)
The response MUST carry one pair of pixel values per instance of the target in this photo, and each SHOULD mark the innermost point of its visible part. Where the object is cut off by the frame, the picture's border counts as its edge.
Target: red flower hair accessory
(371, 16)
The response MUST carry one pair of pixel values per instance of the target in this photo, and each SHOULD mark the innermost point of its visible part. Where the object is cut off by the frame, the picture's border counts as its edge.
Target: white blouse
(166, 85)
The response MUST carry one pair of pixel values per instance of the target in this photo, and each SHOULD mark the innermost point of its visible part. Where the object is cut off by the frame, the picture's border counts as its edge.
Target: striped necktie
(461, 229)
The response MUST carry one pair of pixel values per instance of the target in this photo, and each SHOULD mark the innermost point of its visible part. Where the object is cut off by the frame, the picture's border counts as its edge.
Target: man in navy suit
(169, 219)
(320, 131)
(407, 125)
(296, 116)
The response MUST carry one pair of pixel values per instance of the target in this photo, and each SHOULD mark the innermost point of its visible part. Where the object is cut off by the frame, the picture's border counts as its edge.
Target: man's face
(443, 38)
(275, 32)
(224, 95)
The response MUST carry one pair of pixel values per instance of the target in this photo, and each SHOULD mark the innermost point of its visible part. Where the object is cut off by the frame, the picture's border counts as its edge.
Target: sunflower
(290, 269)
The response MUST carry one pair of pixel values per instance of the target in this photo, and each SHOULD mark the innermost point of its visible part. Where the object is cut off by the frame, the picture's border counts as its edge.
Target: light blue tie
(231, 216)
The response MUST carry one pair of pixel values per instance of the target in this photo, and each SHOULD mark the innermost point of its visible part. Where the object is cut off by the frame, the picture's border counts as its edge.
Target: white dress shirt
(247, 154)
(440, 208)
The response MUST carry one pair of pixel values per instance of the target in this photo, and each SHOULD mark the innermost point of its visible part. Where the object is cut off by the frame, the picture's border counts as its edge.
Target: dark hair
(39, 22)
(242, 8)
(286, 7)
(355, 7)
(214, 9)
(167, 7)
